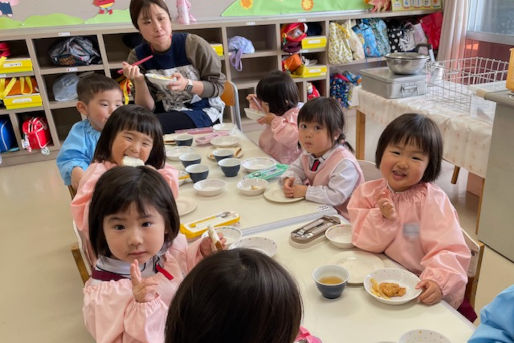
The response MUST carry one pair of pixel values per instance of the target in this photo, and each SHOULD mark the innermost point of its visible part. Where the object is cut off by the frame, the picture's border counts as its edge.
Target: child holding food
(407, 217)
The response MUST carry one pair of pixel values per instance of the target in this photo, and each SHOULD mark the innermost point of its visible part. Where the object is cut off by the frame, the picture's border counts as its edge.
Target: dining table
(356, 316)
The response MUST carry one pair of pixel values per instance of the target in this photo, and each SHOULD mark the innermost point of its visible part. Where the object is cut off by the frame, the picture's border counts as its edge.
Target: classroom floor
(41, 292)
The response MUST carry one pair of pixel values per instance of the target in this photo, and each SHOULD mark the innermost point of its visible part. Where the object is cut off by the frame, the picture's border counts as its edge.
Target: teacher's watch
(189, 86)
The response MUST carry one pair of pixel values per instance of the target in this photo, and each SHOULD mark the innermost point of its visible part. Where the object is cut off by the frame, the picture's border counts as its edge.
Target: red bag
(292, 35)
(36, 132)
(432, 25)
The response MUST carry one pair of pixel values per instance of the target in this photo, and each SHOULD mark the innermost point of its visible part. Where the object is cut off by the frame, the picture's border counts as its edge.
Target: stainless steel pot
(406, 63)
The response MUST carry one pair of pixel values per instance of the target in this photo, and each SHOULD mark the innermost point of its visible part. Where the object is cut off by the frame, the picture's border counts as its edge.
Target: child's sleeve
(496, 320)
(295, 170)
(111, 314)
(447, 256)
(371, 231)
(285, 131)
(73, 154)
(170, 174)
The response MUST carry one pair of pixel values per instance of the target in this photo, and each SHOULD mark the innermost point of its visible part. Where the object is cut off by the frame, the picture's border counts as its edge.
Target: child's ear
(82, 107)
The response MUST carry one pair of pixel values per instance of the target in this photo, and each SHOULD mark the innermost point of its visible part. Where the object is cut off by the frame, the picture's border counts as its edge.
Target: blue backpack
(7, 138)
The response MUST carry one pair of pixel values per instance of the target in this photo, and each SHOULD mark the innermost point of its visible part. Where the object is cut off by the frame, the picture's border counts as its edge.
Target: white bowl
(340, 235)
(423, 336)
(210, 187)
(225, 141)
(401, 276)
(254, 114)
(252, 186)
(223, 127)
(258, 163)
(262, 244)
(231, 234)
(174, 153)
(158, 79)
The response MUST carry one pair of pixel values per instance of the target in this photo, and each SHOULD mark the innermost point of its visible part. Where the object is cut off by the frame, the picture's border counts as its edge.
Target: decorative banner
(244, 8)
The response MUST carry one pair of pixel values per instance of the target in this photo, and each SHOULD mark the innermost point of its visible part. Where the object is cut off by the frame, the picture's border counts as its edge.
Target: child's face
(314, 138)
(403, 165)
(131, 143)
(132, 235)
(156, 28)
(100, 107)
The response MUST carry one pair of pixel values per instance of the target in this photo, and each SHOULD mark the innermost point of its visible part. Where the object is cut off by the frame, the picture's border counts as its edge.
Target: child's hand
(252, 101)
(432, 292)
(144, 290)
(291, 190)
(386, 206)
(267, 119)
(207, 247)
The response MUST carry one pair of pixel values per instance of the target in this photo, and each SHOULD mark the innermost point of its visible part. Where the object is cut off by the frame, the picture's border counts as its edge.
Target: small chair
(370, 170)
(231, 98)
(72, 191)
(80, 257)
(477, 252)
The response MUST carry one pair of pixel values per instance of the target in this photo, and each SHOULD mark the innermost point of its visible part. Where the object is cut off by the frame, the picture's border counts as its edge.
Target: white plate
(423, 336)
(223, 127)
(358, 263)
(264, 245)
(252, 186)
(276, 194)
(401, 276)
(174, 153)
(209, 187)
(231, 234)
(159, 79)
(254, 114)
(257, 163)
(185, 206)
(225, 141)
(340, 235)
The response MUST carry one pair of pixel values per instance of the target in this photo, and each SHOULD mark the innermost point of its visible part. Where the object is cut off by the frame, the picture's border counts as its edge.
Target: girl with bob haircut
(131, 131)
(238, 295)
(327, 171)
(142, 257)
(407, 217)
(277, 96)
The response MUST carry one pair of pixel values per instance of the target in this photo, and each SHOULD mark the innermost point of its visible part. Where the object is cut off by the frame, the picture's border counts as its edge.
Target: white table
(356, 316)
(256, 213)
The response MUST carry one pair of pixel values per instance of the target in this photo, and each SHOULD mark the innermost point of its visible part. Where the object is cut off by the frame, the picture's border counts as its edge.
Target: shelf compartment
(263, 37)
(254, 69)
(42, 46)
(64, 118)
(49, 80)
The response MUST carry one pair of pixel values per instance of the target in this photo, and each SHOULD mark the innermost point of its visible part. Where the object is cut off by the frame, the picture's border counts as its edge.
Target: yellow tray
(16, 65)
(310, 71)
(199, 226)
(218, 48)
(23, 101)
(314, 42)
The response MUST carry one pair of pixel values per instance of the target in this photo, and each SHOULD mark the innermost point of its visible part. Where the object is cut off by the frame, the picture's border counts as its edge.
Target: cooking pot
(408, 63)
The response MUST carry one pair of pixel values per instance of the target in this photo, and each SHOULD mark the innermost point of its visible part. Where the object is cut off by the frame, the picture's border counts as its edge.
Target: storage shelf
(25, 73)
(62, 70)
(62, 104)
(21, 110)
(261, 53)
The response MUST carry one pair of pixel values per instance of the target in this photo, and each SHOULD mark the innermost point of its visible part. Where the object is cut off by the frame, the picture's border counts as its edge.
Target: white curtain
(453, 32)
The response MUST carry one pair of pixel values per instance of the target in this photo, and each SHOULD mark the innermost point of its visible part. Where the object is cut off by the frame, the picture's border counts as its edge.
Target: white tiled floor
(41, 291)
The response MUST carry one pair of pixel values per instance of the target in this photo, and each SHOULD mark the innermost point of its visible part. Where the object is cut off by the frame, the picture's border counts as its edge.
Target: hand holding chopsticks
(143, 60)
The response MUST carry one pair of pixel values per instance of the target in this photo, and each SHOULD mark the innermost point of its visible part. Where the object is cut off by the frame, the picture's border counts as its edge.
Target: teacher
(192, 96)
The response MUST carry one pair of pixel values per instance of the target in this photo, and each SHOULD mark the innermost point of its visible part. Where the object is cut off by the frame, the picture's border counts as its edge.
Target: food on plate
(132, 161)
(387, 290)
(255, 188)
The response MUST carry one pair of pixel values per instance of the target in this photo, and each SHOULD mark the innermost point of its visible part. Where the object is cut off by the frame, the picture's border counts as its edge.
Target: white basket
(455, 82)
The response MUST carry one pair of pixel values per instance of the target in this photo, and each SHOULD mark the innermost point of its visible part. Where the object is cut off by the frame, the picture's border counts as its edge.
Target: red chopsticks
(143, 60)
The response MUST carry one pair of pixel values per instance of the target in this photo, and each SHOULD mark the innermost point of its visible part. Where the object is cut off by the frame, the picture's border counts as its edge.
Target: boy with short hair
(98, 97)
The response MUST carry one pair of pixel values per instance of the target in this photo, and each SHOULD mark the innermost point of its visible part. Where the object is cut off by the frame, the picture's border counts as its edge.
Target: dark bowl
(184, 139)
(190, 158)
(230, 166)
(197, 172)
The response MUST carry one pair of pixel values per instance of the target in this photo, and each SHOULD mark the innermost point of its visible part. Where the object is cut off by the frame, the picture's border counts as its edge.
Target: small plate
(264, 245)
(223, 127)
(340, 235)
(231, 234)
(174, 153)
(276, 194)
(401, 276)
(169, 138)
(159, 79)
(423, 336)
(225, 141)
(358, 263)
(254, 114)
(209, 187)
(258, 163)
(185, 206)
(252, 186)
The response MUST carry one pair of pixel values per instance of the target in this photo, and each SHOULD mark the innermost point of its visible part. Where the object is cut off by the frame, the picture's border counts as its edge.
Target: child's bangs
(312, 117)
(411, 138)
(139, 124)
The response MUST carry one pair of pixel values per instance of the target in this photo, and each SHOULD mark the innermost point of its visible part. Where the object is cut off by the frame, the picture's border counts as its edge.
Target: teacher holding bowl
(183, 80)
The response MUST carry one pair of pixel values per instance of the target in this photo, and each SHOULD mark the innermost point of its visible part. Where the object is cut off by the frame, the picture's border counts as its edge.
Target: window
(491, 21)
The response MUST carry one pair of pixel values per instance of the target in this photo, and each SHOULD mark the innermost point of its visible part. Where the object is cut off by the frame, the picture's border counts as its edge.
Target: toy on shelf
(184, 12)
(379, 5)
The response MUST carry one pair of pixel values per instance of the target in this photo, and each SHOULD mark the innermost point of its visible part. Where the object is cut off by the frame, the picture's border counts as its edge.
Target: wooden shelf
(7, 75)
(62, 104)
(63, 70)
(21, 110)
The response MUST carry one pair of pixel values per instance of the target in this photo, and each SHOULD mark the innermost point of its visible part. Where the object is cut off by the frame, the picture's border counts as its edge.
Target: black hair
(90, 85)
(329, 113)
(136, 118)
(138, 6)
(117, 189)
(238, 295)
(413, 128)
(280, 92)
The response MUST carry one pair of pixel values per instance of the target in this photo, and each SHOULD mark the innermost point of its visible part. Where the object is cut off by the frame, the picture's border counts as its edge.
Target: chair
(231, 98)
(370, 170)
(477, 252)
(79, 257)
(72, 191)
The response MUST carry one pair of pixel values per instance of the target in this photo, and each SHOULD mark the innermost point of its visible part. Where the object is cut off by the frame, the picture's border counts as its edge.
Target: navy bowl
(190, 158)
(197, 172)
(331, 291)
(184, 139)
(230, 166)
(220, 154)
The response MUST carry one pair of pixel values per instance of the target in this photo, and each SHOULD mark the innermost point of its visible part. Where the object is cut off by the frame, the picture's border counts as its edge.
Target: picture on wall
(244, 8)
